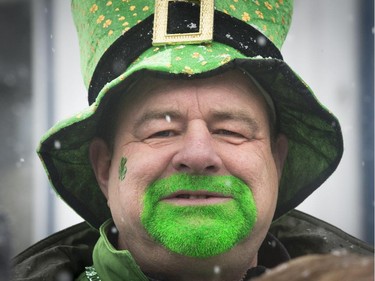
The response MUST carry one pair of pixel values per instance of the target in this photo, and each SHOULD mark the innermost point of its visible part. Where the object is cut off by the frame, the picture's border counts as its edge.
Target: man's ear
(280, 153)
(100, 158)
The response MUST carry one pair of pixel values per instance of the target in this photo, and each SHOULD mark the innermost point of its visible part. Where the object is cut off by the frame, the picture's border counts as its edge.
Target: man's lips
(188, 198)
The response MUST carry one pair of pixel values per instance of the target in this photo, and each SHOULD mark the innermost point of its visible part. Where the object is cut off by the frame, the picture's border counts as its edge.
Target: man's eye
(163, 134)
(228, 133)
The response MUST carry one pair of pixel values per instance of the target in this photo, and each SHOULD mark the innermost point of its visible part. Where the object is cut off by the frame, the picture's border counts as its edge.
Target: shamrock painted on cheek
(122, 169)
(201, 230)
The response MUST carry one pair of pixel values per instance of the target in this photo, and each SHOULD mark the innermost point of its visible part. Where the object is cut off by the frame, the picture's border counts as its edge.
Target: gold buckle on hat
(206, 24)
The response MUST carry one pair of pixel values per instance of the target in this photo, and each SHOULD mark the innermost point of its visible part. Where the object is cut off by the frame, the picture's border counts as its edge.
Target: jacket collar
(115, 265)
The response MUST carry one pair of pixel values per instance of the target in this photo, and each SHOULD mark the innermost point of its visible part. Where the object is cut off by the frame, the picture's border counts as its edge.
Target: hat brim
(314, 134)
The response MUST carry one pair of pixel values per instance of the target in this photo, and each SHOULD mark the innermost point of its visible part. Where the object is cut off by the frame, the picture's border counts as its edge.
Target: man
(197, 140)
(198, 137)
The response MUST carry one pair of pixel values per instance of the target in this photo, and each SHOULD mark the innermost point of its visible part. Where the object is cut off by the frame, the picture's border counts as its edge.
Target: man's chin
(199, 216)
(199, 231)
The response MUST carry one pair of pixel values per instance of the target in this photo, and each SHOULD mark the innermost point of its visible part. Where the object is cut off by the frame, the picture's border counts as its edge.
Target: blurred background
(330, 44)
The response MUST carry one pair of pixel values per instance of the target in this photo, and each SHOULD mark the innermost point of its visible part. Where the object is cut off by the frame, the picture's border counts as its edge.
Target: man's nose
(197, 154)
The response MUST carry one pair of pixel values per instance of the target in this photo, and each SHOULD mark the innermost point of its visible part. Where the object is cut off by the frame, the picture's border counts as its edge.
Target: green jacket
(70, 251)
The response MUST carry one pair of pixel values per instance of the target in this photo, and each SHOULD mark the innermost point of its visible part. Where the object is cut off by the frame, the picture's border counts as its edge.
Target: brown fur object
(332, 267)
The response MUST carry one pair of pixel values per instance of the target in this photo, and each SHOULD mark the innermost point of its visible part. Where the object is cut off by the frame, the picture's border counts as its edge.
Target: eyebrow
(241, 116)
(156, 115)
(215, 115)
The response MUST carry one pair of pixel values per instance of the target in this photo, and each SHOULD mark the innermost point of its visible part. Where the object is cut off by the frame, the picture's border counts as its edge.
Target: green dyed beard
(199, 231)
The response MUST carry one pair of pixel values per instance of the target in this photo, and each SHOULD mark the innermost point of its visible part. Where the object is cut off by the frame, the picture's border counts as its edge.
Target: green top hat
(121, 39)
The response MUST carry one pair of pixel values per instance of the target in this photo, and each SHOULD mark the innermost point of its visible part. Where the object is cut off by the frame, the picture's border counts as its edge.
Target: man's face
(210, 127)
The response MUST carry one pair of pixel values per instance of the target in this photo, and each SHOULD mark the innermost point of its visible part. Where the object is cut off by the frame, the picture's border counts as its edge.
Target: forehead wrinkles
(157, 98)
(147, 87)
(239, 90)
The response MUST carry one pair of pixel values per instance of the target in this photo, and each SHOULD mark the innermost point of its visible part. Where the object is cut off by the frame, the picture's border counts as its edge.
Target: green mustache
(199, 231)
(226, 185)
